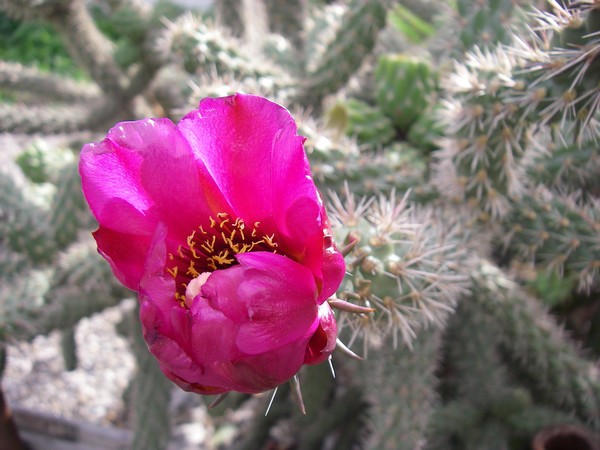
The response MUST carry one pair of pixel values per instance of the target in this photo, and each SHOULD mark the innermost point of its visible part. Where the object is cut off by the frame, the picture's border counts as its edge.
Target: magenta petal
(235, 137)
(250, 147)
(323, 341)
(144, 173)
(272, 297)
(112, 186)
(182, 190)
(333, 270)
(126, 261)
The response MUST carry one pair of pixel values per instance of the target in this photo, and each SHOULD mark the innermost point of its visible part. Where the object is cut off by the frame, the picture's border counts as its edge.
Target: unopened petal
(322, 343)
(272, 297)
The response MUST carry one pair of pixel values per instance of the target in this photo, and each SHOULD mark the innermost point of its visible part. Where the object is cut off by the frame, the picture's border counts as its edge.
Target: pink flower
(218, 226)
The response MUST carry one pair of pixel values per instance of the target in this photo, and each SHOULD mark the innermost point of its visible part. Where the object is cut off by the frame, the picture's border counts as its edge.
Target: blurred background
(455, 142)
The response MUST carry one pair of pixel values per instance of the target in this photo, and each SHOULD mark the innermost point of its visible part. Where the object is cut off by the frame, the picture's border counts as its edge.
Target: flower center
(213, 248)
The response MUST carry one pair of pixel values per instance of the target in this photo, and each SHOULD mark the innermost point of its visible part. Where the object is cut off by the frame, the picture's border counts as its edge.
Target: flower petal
(251, 148)
(272, 297)
(144, 173)
(128, 262)
(322, 343)
(333, 269)
(235, 138)
(181, 189)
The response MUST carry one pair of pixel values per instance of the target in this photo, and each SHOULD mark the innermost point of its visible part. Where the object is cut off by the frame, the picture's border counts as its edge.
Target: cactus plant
(405, 87)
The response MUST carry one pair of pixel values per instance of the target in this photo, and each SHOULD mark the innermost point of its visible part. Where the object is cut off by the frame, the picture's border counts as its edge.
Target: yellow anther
(208, 251)
(209, 246)
(192, 270)
(180, 298)
(269, 240)
(222, 258)
(192, 244)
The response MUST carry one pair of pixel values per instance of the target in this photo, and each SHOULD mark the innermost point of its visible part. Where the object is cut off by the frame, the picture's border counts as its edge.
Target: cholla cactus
(405, 87)
(485, 136)
(559, 58)
(558, 234)
(403, 264)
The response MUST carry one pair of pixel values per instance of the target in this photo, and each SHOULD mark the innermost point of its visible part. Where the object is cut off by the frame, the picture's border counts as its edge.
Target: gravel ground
(35, 376)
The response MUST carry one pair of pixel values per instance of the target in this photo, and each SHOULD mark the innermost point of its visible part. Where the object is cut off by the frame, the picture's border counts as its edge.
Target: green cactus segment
(41, 163)
(16, 78)
(287, 18)
(563, 80)
(485, 138)
(200, 48)
(329, 410)
(151, 394)
(538, 348)
(11, 263)
(69, 213)
(474, 408)
(558, 235)
(592, 21)
(21, 299)
(484, 23)
(401, 386)
(405, 87)
(336, 163)
(569, 166)
(229, 14)
(535, 376)
(358, 119)
(472, 355)
(42, 301)
(355, 39)
(410, 25)
(427, 129)
(23, 222)
(403, 265)
(68, 345)
(39, 230)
